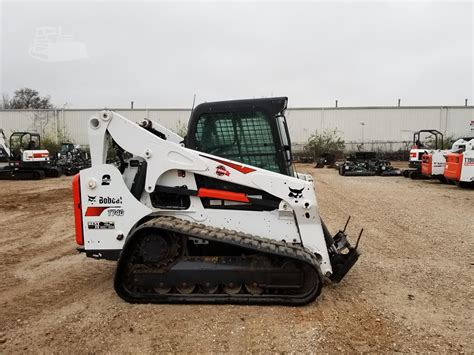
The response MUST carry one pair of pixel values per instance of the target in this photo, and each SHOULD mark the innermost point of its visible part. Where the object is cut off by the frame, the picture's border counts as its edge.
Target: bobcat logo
(296, 193)
(91, 198)
(221, 171)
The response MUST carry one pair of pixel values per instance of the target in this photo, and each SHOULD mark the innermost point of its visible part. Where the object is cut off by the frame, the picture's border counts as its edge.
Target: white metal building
(384, 128)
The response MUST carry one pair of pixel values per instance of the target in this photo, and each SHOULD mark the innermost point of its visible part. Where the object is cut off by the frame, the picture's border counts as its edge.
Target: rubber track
(22, 175)
(223, 235)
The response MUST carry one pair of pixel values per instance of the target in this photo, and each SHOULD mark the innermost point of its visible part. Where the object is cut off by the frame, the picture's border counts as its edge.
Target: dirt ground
(411, 291)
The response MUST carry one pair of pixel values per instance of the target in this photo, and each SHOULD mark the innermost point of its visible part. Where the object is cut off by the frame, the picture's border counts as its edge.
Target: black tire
(415, 175)
(442, 179)
(464, 184)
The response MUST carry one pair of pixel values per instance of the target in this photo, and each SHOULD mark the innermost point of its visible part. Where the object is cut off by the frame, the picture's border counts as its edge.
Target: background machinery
(459, 167)
(70, 159)
(26, 159)
(218, 217)
(434, 164)
(4, 151)
(326, 159)
(367, 164)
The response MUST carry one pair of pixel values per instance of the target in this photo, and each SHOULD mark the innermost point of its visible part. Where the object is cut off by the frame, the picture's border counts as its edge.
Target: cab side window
(245, 137)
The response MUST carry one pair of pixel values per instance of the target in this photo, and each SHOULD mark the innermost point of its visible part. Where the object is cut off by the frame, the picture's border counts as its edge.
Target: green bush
(53, 142)
(180, 129)
(328, 141)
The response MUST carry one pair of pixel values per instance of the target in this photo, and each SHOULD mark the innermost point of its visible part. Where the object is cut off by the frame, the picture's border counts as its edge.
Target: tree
(5, 104)
(447, 142)
(26, 98)
(180, 129)
(327, 141)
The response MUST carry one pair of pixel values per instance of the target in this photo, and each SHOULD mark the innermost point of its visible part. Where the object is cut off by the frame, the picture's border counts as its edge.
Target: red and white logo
(221, 171)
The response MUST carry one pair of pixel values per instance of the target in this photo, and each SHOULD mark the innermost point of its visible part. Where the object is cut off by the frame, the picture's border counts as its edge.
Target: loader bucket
(342, 254)
(342, 263)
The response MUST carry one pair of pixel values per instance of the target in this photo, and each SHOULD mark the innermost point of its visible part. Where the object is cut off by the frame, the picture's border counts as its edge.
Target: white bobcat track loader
(218, 217)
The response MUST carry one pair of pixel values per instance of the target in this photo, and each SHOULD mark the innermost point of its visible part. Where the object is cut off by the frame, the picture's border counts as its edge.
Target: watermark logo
(51, 45)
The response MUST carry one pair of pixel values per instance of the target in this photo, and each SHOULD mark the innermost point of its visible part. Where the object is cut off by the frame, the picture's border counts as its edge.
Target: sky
(92, 54)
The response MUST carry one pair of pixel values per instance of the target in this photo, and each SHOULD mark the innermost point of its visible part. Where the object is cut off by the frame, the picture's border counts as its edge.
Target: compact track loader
(218, 217)
(459, 168)
(433, 157)
(432, 165)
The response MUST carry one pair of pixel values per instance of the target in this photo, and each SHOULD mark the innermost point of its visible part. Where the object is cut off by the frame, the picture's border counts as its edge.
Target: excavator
(24, 159)
(4, 150)
(219, 216)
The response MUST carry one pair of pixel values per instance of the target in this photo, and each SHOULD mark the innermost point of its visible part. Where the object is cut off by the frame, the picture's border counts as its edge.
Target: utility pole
(194, 101)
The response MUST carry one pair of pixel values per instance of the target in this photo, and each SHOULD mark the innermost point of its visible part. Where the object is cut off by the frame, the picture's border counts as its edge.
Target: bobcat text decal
(113, 206)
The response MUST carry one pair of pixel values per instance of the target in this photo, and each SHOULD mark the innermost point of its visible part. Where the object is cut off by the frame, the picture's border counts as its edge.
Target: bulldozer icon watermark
(51, 45)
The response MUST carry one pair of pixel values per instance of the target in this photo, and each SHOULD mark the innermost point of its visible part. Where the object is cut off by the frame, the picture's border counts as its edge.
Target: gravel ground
(411, 291)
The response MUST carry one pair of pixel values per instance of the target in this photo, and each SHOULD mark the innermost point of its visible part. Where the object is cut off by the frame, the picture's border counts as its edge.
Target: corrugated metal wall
(384, 127)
